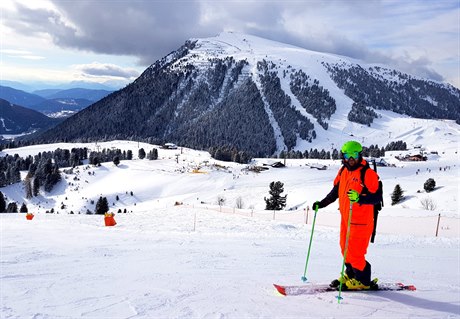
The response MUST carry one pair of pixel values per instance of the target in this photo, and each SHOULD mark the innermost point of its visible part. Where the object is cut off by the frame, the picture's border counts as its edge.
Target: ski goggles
(355, 155)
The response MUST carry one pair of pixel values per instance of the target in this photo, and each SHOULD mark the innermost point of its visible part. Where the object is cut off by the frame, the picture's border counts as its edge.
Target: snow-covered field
(199, 260)
(154, 265)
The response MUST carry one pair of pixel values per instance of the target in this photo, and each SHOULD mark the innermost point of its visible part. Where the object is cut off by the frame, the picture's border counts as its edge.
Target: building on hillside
(412, 158)
(170, 146)
(277, 165)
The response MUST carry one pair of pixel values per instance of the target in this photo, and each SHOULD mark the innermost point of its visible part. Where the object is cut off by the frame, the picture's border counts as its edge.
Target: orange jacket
(346, 180)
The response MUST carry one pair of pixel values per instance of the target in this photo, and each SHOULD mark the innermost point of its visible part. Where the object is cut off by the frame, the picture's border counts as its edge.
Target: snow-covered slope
(201, 260)
(170, 178)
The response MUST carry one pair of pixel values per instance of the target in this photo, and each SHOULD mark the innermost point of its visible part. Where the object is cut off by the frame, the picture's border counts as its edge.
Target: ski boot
(336, 282)
(355, 284)
(374, 285)
(343, 278)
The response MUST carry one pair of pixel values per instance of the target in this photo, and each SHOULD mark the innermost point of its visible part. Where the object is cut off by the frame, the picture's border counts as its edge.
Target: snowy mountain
(259, 96)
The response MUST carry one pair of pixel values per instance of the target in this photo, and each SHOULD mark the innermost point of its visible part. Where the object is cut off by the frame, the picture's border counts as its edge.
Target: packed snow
(177, 254)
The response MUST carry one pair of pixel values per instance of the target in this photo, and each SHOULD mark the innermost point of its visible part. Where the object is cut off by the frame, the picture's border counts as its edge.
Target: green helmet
(351, 146)
(351, 149)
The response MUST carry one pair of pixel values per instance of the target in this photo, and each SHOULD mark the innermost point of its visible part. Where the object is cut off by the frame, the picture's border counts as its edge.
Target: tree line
(384, 89)
(314, 98)
(229, 154)
(291, 122)
(371, 151)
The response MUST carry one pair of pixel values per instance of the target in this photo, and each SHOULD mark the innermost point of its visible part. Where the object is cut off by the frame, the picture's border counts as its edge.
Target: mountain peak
(241, 45)
(258, 96)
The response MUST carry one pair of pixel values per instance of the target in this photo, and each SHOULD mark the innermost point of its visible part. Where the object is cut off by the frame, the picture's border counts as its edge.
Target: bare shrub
(221, 200)
(239, 202)
(428, 203)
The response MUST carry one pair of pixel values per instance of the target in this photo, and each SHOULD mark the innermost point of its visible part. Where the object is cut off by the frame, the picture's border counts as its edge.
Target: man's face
(352, 161)
(351, 158)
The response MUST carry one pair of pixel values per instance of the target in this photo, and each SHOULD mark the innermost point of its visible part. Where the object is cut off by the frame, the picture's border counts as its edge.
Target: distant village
(418, 154)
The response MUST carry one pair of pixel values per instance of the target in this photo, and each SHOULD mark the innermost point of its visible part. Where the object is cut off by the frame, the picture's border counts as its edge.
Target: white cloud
(102, 70)
(420, 35)
(21, 54)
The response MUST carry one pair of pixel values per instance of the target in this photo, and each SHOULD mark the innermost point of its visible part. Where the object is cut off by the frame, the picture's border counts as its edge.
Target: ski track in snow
(279, 138)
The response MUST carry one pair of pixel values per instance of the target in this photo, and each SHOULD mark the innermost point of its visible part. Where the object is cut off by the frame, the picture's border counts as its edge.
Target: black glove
(317, 205)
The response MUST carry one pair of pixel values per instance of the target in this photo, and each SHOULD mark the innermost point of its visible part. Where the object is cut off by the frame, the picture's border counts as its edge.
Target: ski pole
(339, 297)
(304, 278)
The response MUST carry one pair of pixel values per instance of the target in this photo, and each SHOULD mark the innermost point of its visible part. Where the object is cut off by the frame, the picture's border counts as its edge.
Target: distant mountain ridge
(20, 97)
(52, 101)
(34, 87)
(258, 96)
(52, 106)
(74, 93)
(15, 119)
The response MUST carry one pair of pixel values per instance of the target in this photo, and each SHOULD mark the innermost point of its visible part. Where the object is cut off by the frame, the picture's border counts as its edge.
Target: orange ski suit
(362, 220)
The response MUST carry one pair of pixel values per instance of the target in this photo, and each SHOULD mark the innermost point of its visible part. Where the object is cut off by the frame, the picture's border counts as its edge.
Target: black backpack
(379, 205)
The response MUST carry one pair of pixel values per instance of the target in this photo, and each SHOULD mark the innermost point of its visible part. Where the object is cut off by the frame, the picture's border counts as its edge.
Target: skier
(352, 194)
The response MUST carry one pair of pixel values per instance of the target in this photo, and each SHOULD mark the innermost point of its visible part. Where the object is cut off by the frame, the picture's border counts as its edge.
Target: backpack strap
(363, 174)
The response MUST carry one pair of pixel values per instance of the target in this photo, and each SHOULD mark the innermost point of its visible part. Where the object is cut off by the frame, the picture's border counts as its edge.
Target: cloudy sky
(113, 41)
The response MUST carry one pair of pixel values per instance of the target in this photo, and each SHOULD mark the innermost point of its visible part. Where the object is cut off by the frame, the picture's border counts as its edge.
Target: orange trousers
(361, 227)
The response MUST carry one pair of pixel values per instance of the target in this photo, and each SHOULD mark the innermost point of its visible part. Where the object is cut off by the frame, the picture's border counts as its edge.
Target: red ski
(311, 289)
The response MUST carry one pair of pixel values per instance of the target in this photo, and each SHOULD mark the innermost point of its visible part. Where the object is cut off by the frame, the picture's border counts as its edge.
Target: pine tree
(7, 176)
(2, 203)
(397, 195)
(116, 160)
(282, 154)
(44, 168)
(2, 179)
(23, 208)
(15, 174)
(141, 153)
(276, 201)
(153, 154)
(36, 187)
(52, 179)
(12, 208)
(429, 185)
(32, 169)
(335, 154)
(28, 187)
(102, 206)
(74, 161)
